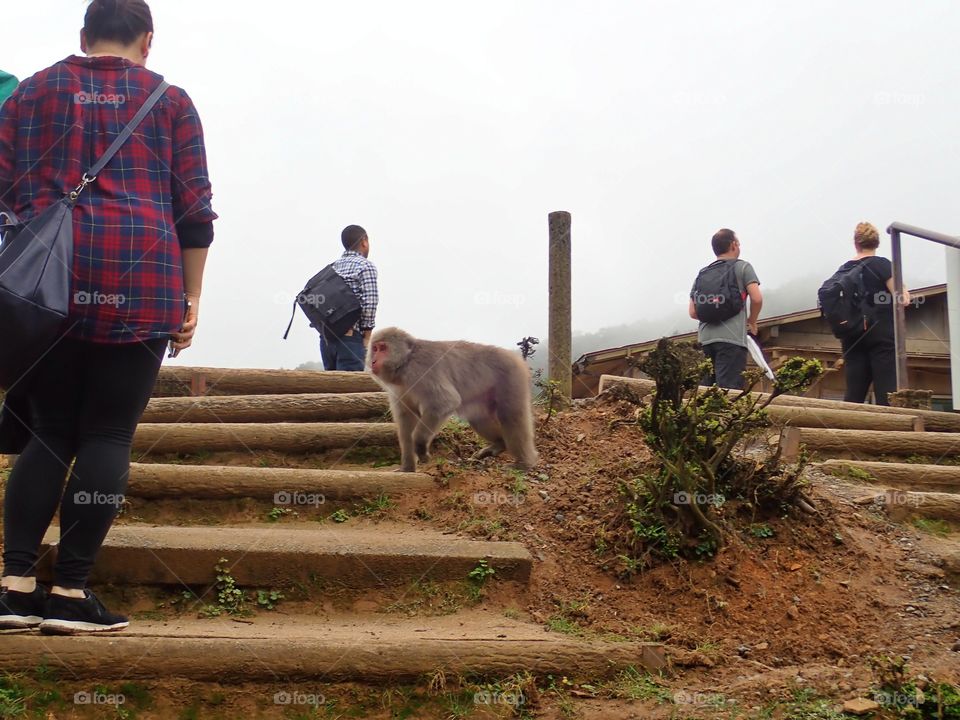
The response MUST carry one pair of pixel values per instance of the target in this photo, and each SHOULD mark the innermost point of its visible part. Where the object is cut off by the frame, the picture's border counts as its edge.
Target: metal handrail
(899, 310)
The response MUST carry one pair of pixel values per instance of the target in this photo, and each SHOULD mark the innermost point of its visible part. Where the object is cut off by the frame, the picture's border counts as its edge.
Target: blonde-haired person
(871, 359)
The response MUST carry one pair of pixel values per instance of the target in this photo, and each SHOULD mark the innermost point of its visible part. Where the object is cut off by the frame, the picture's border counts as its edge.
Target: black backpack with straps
(716, 292)
(330, 305)
(843, 302)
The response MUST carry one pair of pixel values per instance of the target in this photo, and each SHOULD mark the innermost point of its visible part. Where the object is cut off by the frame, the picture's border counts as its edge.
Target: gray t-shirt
(732, 330)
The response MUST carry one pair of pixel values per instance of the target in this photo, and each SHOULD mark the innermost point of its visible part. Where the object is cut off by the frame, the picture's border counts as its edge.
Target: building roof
(604, 356)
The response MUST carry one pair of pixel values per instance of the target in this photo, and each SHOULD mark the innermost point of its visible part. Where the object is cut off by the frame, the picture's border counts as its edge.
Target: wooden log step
(842, 419)
(272, 556)
(904, 476)
(318, 407)
(933, 420)
(176, 381)
(869, 443)
(212, 482)
(242, 437)
(353, 648)
(904, 505)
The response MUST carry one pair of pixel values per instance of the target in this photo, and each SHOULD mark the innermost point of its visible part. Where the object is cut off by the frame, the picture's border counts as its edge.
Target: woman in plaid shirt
(141, 234)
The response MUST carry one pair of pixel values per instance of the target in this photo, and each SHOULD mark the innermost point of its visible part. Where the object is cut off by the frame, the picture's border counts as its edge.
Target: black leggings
(871, 359)
(85, 402)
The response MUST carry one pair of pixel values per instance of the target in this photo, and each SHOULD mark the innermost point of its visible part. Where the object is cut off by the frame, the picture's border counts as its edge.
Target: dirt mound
(794, 591)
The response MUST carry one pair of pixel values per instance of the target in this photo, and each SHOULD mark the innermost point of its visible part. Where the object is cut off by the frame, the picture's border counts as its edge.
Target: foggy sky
(450, 131)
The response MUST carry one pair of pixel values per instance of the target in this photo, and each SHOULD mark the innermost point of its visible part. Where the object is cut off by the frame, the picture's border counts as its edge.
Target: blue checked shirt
(361, 275)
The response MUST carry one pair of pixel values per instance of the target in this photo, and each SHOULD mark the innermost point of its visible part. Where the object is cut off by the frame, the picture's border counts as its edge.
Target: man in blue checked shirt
(347, 352)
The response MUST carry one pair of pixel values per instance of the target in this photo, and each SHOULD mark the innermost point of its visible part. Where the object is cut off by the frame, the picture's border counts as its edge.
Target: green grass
(631, 684)
(377, 507)
(804, 705)
(940, 528)
(857, 473)
(561, 624)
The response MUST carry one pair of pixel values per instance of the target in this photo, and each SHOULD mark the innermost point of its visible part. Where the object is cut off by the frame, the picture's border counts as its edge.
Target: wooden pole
(560, 331)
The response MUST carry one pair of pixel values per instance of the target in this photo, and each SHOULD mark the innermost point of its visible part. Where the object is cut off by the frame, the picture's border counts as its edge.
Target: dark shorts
(729, 362)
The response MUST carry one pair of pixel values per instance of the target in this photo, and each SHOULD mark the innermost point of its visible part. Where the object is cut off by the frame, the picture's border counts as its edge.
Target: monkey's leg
(428, 425)
(489, 429)
(518, 436)
(406, 421)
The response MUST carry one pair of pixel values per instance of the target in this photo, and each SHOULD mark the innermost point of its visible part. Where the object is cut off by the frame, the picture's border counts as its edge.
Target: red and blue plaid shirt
(151, 201)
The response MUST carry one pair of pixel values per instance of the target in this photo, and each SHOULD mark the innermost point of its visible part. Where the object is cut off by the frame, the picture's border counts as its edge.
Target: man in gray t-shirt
(725, 342)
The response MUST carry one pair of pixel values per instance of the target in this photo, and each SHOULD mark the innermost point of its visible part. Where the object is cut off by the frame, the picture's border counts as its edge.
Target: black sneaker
(19, 610)
(75, 616)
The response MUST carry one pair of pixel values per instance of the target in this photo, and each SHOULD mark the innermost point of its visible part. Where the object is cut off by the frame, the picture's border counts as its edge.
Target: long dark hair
(121, 21)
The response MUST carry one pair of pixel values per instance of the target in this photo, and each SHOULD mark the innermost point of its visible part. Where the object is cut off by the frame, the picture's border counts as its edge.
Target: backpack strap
(293, 314)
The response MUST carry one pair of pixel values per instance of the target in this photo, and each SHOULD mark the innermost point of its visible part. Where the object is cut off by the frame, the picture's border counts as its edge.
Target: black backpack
(843, 302)
(330, 305)
(716, 292)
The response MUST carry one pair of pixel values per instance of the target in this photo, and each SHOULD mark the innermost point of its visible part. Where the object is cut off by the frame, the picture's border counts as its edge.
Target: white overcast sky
(450, 130)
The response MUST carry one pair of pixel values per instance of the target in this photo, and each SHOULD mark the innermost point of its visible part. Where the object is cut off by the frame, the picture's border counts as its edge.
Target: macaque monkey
(429, 381)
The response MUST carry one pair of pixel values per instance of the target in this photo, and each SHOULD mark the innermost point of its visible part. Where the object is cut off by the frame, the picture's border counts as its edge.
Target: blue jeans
(343, 353)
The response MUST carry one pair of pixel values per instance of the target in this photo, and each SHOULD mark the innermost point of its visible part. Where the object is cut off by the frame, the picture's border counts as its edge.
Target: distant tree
(312, 365)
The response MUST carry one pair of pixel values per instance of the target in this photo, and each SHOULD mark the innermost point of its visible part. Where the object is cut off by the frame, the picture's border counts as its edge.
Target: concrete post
(561, 334)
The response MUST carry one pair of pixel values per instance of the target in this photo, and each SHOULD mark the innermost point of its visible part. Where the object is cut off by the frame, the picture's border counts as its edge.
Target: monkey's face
(380, 357)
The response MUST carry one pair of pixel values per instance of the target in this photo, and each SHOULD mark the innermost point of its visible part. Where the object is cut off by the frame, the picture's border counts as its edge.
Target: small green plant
(519, 485)
(230, 599)
(549, 395)
(340, 516)
(376, 507)
(857, 473)
(706, 548)
(761, 530)
(277, 513)
(481, 573)
(269, 599)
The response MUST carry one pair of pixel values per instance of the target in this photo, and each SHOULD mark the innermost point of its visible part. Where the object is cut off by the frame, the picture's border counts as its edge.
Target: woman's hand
(184, 339)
